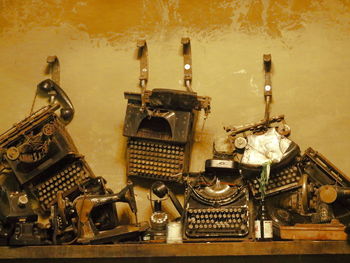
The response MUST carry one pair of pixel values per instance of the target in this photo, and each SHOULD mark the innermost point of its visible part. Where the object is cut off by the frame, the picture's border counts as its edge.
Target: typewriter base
(121, 232)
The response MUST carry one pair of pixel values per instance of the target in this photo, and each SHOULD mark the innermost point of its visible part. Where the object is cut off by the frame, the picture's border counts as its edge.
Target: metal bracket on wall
(267, 86)
(54, 70)
(186, 50)
(143, 57)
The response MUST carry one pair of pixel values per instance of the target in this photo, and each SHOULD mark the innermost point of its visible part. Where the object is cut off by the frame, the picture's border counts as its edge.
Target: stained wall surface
(96, 43)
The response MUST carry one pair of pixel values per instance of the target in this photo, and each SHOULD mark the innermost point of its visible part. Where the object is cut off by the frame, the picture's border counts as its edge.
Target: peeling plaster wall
(96, 43)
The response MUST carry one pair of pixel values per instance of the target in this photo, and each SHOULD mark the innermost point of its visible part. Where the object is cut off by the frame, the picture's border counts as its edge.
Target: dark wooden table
(207, 252)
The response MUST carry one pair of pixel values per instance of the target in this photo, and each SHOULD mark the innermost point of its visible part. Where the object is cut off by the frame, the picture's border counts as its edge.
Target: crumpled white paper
(270, 146)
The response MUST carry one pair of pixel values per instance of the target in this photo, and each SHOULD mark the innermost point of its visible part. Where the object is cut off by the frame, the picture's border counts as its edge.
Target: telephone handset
(52, 89)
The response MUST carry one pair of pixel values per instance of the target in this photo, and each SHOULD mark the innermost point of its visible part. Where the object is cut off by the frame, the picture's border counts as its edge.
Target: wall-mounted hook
(186, 50)
(54, 71)
(54, 68)
(143, 57)
(267, 86)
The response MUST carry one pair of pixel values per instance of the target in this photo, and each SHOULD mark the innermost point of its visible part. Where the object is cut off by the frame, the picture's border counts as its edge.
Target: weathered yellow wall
(95, 41)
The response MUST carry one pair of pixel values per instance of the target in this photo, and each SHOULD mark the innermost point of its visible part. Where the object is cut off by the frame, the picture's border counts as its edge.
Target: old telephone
(159, 218)
(19, 224)
(50, 87)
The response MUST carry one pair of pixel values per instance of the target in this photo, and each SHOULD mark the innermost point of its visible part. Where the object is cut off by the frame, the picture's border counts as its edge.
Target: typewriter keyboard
(217, 222)
(285, 179)
(156, 160)
(66, 180)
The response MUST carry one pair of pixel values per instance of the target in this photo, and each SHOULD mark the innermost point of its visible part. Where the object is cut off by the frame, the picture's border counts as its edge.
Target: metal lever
(186, 50)
(267, 87)
(143, 56)
(132, 200)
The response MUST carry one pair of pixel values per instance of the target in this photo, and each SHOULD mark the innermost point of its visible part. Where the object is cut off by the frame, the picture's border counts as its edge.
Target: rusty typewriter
(160, 124)
(40, 153)
(45, 177)
(42, 156)
(318, 207)
(266, 141)
(302, 191)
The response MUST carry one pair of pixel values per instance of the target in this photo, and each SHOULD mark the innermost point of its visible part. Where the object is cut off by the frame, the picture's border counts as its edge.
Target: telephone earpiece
(50, 88)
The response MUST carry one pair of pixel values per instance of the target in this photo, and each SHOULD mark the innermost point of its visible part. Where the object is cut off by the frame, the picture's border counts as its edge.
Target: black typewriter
(218, 206)
(321, 170)
(43, 158)
(159, 144)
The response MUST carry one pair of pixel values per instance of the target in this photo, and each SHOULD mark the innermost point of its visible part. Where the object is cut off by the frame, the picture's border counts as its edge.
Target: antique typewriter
(331, 186)
(321, 196)
(43, 158)
(266, 141)
(160, 125)
(39, 151)
(321, 170)
(217, 206)
(250, 153)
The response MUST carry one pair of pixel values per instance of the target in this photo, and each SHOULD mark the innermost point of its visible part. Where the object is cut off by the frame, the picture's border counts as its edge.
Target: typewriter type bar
(321, 170)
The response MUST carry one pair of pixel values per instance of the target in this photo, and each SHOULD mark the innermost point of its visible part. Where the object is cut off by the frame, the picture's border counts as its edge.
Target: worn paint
(95, 41)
